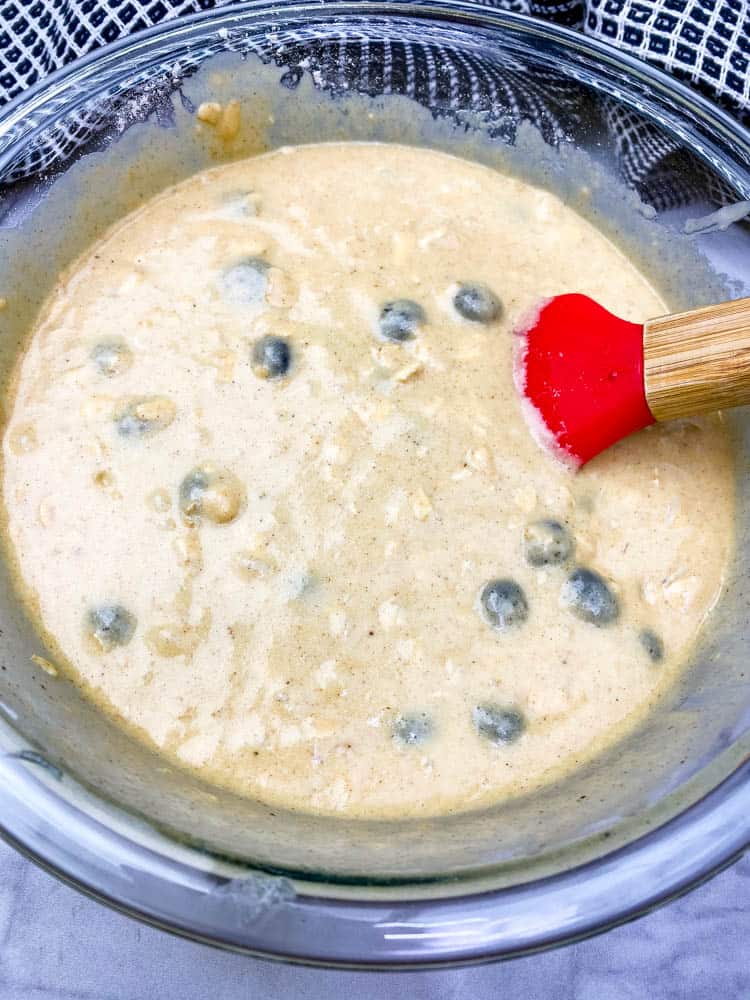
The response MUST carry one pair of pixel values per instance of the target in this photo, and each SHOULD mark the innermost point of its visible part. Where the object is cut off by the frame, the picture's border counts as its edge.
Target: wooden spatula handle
(698, 361)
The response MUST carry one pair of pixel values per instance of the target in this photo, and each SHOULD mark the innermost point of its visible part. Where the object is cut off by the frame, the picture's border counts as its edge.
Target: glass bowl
(663, 810)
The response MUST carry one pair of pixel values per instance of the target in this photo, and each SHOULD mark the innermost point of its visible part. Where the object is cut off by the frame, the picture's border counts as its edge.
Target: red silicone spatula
(592, 379)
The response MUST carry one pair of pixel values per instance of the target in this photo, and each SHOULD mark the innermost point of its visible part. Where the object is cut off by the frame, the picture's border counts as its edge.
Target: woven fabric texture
(703, 42)
(706, 42)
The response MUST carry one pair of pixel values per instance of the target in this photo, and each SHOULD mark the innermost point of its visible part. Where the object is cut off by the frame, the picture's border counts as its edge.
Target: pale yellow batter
(275, 557)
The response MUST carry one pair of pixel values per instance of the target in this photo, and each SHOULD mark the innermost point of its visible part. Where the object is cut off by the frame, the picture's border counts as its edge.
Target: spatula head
(580, 371)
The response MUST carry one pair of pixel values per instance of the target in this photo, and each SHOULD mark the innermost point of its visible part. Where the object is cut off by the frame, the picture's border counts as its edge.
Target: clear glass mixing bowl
(665, 809)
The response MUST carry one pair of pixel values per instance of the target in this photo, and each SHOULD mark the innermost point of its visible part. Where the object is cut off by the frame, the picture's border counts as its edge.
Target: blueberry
(302, 585)
(211, 493)
(587, 595)
(110, 625)
(498, 723)
(291, 79)
(245, 282)
(412, 729)
(192, 488)
(271, 357)
(112, 357)
(400, 319)
(477, 303)
(547, 543)
(652, 644)
(503, 604)
(144, 416)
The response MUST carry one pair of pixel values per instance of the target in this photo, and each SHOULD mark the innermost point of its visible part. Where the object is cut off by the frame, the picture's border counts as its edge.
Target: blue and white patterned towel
(704, 42)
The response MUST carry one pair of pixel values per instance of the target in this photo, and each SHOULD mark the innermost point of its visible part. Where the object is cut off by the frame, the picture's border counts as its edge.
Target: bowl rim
(618, 886)
(19, 109)
(173, 894)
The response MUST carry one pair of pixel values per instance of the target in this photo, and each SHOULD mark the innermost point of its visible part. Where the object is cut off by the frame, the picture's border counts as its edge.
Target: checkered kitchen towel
(704, 42)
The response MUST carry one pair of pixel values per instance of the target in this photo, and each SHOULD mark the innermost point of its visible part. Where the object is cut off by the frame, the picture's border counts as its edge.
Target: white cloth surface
(55, 944)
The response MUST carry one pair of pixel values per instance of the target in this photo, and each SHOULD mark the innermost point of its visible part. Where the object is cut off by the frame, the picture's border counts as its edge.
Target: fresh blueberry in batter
(587, 595)
(111, 358)
(498, 723)
(652, 644)
(272, 357)
(412, 729)
(245, 282)
(547, 543)
(111, 625)
(399, 320)
(192, 488)
(210, 493)
(291, 79)
(503, 604)
(477, 302)
(144, 416)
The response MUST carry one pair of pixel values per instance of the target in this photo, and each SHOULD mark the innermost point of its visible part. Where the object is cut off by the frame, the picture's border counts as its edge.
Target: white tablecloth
(57, 945)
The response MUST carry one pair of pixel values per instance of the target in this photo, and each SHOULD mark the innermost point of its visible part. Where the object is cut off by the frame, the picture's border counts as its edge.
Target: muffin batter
(270, 492)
